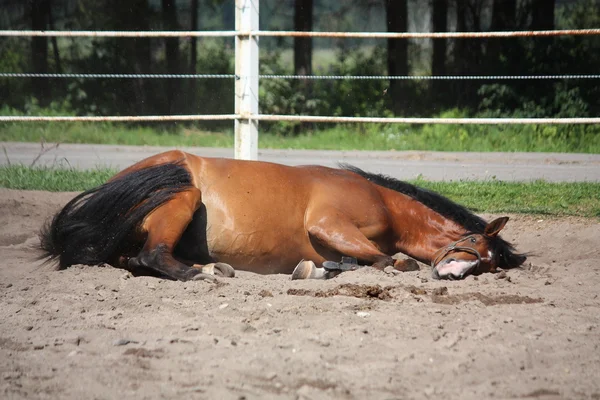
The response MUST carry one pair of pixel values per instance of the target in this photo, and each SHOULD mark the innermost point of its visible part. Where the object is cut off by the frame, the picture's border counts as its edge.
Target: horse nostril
(449, 260)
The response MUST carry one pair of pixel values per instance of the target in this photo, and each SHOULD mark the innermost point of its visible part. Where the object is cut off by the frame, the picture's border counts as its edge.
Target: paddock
(98, 332)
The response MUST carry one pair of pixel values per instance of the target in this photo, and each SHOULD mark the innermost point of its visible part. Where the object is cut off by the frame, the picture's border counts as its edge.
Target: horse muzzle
(453, 269)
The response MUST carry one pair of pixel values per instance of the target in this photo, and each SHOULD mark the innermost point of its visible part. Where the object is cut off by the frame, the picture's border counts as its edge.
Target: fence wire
(297, 77)
(380, 35)
(325, 119)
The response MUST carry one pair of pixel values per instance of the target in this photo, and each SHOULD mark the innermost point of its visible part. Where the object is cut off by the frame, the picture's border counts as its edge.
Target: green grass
(576, 139)
(52, 179)
(538, 197)
(579, 199)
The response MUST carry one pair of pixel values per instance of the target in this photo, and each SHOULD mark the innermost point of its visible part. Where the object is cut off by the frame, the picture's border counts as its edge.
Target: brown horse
(174, 213)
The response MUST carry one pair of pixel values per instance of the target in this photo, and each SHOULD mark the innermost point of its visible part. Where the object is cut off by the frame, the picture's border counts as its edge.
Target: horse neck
(418, 230)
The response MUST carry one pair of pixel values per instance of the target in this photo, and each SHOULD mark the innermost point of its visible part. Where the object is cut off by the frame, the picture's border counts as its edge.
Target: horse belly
(266, 243)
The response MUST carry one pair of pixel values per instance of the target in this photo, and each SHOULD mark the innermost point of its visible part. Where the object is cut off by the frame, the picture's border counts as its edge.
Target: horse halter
(444, 251)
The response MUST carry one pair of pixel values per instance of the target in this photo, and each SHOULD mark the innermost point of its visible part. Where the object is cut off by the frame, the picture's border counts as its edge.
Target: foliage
(338, 97)
(506, 98)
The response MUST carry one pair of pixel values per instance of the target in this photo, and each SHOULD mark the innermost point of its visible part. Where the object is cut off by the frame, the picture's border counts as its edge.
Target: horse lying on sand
(186, 216)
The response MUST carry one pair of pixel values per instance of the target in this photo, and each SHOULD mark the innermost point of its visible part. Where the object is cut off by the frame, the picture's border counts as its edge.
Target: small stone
(270, 376)
(126, 276)
(38, 346)
(440, 291)
(391, 270)
(223, 306)
(265, 293)
(363, 314)
(247, 328)
(501, 275)
(122, 342)
(9, 285)
(28, 328)
(76, 340)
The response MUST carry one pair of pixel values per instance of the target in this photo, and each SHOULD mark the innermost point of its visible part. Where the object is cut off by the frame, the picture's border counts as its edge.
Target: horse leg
(342, 236)
(164, 227)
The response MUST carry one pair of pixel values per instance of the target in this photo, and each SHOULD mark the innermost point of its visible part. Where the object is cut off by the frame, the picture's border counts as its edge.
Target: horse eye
(473, 240)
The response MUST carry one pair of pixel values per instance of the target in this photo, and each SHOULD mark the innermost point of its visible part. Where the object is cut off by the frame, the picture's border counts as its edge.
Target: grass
(529, 138)
(578, 199)
(52, 179)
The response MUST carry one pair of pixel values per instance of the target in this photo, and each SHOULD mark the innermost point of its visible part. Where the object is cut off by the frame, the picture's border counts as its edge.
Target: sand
(100, 333)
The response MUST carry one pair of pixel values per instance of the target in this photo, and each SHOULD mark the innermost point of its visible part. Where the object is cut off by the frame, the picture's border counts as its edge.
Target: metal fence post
(246, 84)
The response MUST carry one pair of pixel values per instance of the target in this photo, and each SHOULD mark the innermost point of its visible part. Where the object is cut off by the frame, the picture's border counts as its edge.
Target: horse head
(476, 253)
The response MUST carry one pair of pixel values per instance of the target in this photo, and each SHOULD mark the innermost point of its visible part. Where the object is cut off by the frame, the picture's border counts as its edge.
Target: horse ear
(493, 228)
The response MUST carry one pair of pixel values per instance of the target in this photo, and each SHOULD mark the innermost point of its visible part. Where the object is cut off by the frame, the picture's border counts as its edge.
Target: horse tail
(99, 223)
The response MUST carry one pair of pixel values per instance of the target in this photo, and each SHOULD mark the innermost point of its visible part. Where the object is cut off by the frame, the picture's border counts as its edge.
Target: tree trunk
(303, 21)
(438, 61)
(542, 15)
(397, 57)
(440, 24)
(171, 52)
(39, 50)
(504, 15)
(194, 39)
(193, 58)
(501, 51)
(58, 64)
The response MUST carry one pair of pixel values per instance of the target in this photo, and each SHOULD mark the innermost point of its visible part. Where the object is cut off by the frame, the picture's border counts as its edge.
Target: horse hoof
(347, 264)
(307, 270)
(204, 277)
(406, 265)
(224, 270)
(208, 269)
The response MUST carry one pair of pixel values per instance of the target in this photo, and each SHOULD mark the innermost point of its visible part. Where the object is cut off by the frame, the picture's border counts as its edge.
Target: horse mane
(438, 203)
(446, 208)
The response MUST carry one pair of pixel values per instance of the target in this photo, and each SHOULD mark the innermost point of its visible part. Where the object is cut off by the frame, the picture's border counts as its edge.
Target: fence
(246, 114)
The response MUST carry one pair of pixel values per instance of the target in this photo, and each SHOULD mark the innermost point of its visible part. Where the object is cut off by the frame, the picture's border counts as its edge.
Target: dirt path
(430, 165)
(97, 332)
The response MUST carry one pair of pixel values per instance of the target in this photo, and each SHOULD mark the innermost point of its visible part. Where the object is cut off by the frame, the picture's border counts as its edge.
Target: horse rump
(100, 224)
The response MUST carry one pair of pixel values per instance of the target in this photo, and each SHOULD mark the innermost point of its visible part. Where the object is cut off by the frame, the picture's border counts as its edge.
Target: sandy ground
(99, 333)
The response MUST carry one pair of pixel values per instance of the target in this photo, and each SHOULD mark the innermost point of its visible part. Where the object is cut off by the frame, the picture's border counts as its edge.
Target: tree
(542, 19)
(542, 14)
(169, 10)
(303, 21)
(397, 56)
(39, 12)
(467, 53)
(193, 39)
(136, 96)
(193, 55)
(502, 51)
(438, 60)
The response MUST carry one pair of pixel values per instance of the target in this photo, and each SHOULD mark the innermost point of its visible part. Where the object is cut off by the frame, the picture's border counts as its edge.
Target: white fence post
(246, 85)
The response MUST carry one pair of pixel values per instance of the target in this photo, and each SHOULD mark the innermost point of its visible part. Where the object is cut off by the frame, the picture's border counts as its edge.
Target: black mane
(438, 203)
(446, 208)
